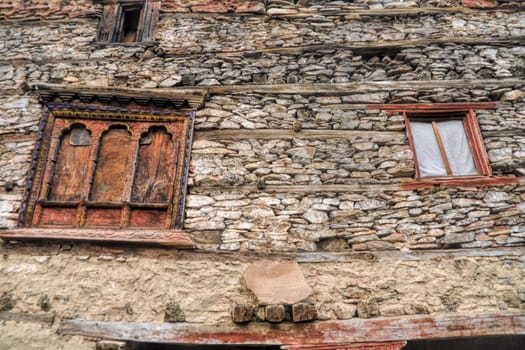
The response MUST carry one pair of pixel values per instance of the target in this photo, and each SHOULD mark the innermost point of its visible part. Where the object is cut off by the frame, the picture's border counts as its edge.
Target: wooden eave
(180, 99)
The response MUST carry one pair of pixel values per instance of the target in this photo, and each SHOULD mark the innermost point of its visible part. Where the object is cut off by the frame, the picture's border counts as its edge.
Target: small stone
(242, 313)
(275, 313)
(455, 238)
(174, 313)
(302, 312)
(110, 345)
(7, 302)
(44, 303)
(315, 216)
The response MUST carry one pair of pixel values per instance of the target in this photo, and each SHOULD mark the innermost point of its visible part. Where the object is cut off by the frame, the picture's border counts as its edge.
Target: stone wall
(292, 159)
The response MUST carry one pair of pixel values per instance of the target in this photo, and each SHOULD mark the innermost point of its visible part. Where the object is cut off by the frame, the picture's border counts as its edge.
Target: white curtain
(456, 147)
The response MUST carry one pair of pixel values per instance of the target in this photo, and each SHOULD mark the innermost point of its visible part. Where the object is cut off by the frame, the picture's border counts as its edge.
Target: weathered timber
(361, 48)
(198, 94)
(402, 183)
(432, 107)
(355, 330)
(180, 98)
(172, 238)
(355, 14)
(362, 87)
(31, 318)
(375, 136)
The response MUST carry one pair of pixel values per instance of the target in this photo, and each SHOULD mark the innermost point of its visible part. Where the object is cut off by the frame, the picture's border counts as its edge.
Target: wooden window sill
(459, 181)
(171, 238)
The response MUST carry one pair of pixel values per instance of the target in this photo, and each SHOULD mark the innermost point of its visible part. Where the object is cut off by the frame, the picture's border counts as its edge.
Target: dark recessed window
(128, 21)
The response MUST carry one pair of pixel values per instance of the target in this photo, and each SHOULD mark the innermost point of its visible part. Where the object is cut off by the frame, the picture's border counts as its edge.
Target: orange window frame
(472, 131)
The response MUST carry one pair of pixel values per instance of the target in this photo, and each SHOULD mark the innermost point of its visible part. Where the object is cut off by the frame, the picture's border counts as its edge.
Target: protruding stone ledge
(179, 239)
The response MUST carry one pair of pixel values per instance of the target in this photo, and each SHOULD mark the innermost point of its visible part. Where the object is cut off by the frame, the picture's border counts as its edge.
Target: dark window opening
(131, 25)
(157, 346)
(510, 342)
(129, 21)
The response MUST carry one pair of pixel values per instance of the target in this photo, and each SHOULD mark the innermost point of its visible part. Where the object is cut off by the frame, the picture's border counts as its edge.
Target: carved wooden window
(118, 169)
(128, 21)
(447, 143)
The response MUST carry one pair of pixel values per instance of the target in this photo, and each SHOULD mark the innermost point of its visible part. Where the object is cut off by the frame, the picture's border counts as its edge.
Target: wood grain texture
(153, 174)
(70, 168)
(112, 166)
(381, 329)
(179, 239)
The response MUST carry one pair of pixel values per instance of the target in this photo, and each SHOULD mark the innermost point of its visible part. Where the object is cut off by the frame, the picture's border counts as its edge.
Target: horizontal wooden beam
(362, 87)
(356, 14)
(380, 329)
(199, 92)
(27, 317)
(375, 136)
(170, 238)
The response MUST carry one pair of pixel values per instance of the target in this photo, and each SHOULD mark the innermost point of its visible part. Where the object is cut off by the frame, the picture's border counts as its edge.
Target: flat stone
(315, 216)
(277, 282)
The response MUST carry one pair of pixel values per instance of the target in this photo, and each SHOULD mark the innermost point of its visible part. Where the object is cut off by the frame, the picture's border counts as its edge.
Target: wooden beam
(29, 318)
(361, 87)
(199, 92)
(381, 329)
(375, 136)
(170, 238)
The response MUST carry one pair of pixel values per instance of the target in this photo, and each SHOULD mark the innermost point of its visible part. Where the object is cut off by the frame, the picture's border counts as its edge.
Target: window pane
(110, 173)
(71, 163)
(427, 150)
(457, 147)
(152, 173)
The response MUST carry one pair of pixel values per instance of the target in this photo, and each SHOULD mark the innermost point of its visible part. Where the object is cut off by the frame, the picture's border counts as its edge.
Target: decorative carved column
(348, 346)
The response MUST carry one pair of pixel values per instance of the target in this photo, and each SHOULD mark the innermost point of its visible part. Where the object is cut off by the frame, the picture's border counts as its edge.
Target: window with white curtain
(447, 144)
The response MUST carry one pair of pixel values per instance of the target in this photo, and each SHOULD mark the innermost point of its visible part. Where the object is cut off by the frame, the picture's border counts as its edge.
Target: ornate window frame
(132, 107)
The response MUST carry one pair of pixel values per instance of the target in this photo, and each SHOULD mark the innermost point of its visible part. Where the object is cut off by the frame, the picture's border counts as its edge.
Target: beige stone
(277, 282)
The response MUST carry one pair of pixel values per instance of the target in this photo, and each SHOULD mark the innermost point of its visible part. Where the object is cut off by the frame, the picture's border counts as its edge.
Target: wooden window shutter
(110, 23)
(148, 20)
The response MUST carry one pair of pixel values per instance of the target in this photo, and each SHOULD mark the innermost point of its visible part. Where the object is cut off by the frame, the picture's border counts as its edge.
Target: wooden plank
(441, 148)
(375, 136)
(171, 238)
(153, 174)
(30, 318)
(381, 329)
(112, 166)
(71, 165)
(353, 187)
(285, 89)
(433, 107)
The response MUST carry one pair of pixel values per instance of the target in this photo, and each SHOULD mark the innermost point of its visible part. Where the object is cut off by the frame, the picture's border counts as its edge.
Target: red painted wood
(70, 168)
(148, 218)
(103, 217)
(162, 237)
(459, 181)
(58, 216)
(112, 166)
(383, 329)
(153, 174)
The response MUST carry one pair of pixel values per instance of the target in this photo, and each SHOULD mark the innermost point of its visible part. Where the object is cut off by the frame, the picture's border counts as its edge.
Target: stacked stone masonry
(292, 158)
